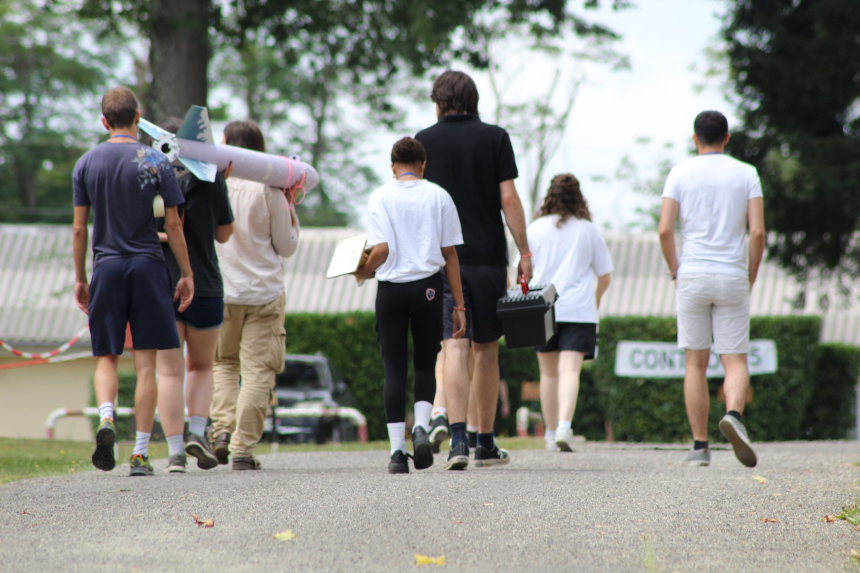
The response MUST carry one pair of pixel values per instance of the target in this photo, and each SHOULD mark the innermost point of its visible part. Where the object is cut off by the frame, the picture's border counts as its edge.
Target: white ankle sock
(439, 412)
(471, 428)
(563, 426)
(106, 411)
(141, 443)
(397, 436)
(175, 445)
(422, 414)
(197, 425)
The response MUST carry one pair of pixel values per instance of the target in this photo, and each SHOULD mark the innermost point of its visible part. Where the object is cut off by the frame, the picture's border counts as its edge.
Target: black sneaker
(399, 463)
(487, 458)
(458, 457)
(103, 457)
(198, 447)
(222, 448)
(422, 455)
(438, 432)
(473, 439)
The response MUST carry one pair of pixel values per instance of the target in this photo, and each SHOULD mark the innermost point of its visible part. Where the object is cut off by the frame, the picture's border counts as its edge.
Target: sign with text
(666, 360)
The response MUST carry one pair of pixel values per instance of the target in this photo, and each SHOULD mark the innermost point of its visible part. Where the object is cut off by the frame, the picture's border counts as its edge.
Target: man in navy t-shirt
(119, 180)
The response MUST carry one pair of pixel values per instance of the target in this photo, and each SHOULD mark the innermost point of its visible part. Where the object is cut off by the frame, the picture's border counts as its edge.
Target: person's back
(251, 262)
(713, 192)
(469, 158)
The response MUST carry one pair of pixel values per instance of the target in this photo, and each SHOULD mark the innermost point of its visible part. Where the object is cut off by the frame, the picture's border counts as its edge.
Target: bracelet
(526, 256)
(672, 275)
(462, 308)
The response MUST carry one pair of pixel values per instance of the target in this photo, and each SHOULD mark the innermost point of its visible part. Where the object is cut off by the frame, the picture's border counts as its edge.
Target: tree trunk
(179, 54)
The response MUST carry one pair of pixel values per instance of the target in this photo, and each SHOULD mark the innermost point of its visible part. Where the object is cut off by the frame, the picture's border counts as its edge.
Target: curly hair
(565, 199)
(408, 151)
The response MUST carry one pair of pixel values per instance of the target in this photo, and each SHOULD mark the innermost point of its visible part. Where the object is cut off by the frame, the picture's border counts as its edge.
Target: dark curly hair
(408, 151)
(565, 198)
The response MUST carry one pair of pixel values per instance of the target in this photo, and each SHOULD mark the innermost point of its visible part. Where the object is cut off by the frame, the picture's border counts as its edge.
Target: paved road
(604, 508)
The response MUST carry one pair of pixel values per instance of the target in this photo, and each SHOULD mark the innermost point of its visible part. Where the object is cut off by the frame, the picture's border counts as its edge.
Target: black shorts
(577, 336)
(204, 313)
(135, 291)
(483, 286)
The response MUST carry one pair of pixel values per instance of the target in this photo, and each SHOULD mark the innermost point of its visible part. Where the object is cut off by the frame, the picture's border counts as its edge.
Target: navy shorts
(483, 286)
(204, 313)
(135, 291)
(577, 336)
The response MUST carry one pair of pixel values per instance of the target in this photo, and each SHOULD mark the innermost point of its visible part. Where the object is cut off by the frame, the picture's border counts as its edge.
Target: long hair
(565, 199)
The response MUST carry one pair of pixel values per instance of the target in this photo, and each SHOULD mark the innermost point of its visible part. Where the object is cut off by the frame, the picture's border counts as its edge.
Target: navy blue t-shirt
(120, 181)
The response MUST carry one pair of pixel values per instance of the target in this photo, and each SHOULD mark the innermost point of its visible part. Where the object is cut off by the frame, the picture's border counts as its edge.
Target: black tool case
(528, 319)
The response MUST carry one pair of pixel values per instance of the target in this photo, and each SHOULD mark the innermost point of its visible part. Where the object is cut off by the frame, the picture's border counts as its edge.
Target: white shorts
(718, 304)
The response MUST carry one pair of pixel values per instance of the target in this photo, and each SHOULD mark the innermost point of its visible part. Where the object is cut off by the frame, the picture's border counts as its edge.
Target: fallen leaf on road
(203, 522)
(458, 522)
(425, 560)
(489, 504)
(284, 535)
(854, 554)
(25, 512)
(829, 518)
(769, 520)
(760, 479)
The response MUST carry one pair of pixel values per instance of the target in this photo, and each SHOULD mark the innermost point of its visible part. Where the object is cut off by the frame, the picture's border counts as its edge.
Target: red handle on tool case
(523, 284)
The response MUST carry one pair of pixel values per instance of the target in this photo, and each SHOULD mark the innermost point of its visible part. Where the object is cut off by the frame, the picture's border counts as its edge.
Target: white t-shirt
(416, 219)
(569, 257)
(713, 191)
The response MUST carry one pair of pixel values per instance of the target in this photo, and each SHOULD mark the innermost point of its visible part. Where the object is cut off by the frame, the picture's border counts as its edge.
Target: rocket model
(194, 148)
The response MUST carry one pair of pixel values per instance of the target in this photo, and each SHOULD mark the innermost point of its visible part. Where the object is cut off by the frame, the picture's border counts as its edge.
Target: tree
(794, 65)
(46, 70)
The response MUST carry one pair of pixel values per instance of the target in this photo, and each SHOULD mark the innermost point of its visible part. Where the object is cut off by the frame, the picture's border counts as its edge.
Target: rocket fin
(201, 170)
(151, 129)
(195, 125)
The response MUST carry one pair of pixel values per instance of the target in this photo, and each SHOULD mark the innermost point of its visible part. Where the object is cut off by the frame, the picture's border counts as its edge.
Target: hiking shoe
(485, 458)
(140, 466)
(438, 432)
(458, 457)
(221, 448)
(103, 457)
(422, 455)
(249, 463)
(697, 458)
(198, 447)
(176, 464)
(736, 434)
(399, 463)
(564, 440)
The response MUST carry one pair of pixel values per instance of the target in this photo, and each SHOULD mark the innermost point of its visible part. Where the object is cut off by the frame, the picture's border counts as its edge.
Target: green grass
(31, 458)
(851, 514)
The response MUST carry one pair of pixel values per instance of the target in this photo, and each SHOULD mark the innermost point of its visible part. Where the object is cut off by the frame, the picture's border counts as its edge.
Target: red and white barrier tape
(44, 355)
(50, 360)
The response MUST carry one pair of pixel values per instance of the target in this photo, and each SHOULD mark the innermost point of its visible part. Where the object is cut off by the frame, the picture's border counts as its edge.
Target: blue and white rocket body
(194, 148)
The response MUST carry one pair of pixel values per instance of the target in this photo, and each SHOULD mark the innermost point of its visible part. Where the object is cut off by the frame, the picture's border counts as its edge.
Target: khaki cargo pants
(251, 345)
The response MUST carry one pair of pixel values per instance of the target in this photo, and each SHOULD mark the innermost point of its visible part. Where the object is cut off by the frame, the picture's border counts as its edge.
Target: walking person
(474, 161)
(207, 218)
(567, 251)
(130, 283)
(414, 229)
(716, 197)
(252, 341)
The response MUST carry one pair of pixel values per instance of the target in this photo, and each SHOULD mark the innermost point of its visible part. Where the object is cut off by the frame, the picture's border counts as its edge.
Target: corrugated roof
(37, 283)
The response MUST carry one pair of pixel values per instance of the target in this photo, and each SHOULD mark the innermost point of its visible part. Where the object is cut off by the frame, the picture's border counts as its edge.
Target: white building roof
(37, 284)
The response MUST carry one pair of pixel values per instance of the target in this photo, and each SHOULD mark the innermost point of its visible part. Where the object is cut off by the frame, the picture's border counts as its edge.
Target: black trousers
(401, 307)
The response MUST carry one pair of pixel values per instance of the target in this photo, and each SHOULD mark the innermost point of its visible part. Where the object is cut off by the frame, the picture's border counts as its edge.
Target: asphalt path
(604, 508)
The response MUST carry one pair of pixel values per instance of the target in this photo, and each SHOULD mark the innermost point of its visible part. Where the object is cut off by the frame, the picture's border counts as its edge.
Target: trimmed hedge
(831, 411)
(653, 410)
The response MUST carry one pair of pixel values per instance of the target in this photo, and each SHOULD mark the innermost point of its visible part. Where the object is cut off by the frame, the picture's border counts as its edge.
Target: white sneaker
(564, 440)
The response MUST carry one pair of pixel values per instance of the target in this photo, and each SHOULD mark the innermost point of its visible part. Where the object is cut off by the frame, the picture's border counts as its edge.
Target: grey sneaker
(198, 447)
(736, 434)
(176, 464)
(697, 458)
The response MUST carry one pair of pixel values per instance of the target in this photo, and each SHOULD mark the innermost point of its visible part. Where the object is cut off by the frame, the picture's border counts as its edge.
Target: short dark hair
(408, 151)
(455, 92)
(245, 134)
(119, 106)
(711, 127)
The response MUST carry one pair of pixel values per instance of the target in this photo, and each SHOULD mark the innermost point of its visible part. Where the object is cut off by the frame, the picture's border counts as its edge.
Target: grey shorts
(713, 305)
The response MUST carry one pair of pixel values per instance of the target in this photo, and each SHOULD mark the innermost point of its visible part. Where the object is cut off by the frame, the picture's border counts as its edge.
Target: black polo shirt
(469, 158)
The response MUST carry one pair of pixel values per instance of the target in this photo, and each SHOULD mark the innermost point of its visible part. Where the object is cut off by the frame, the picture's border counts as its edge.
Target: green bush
(654, 411)
(831, 410)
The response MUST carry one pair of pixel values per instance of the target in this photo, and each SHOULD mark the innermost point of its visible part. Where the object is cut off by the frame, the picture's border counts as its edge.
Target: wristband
(526, 255)
(462, 308)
